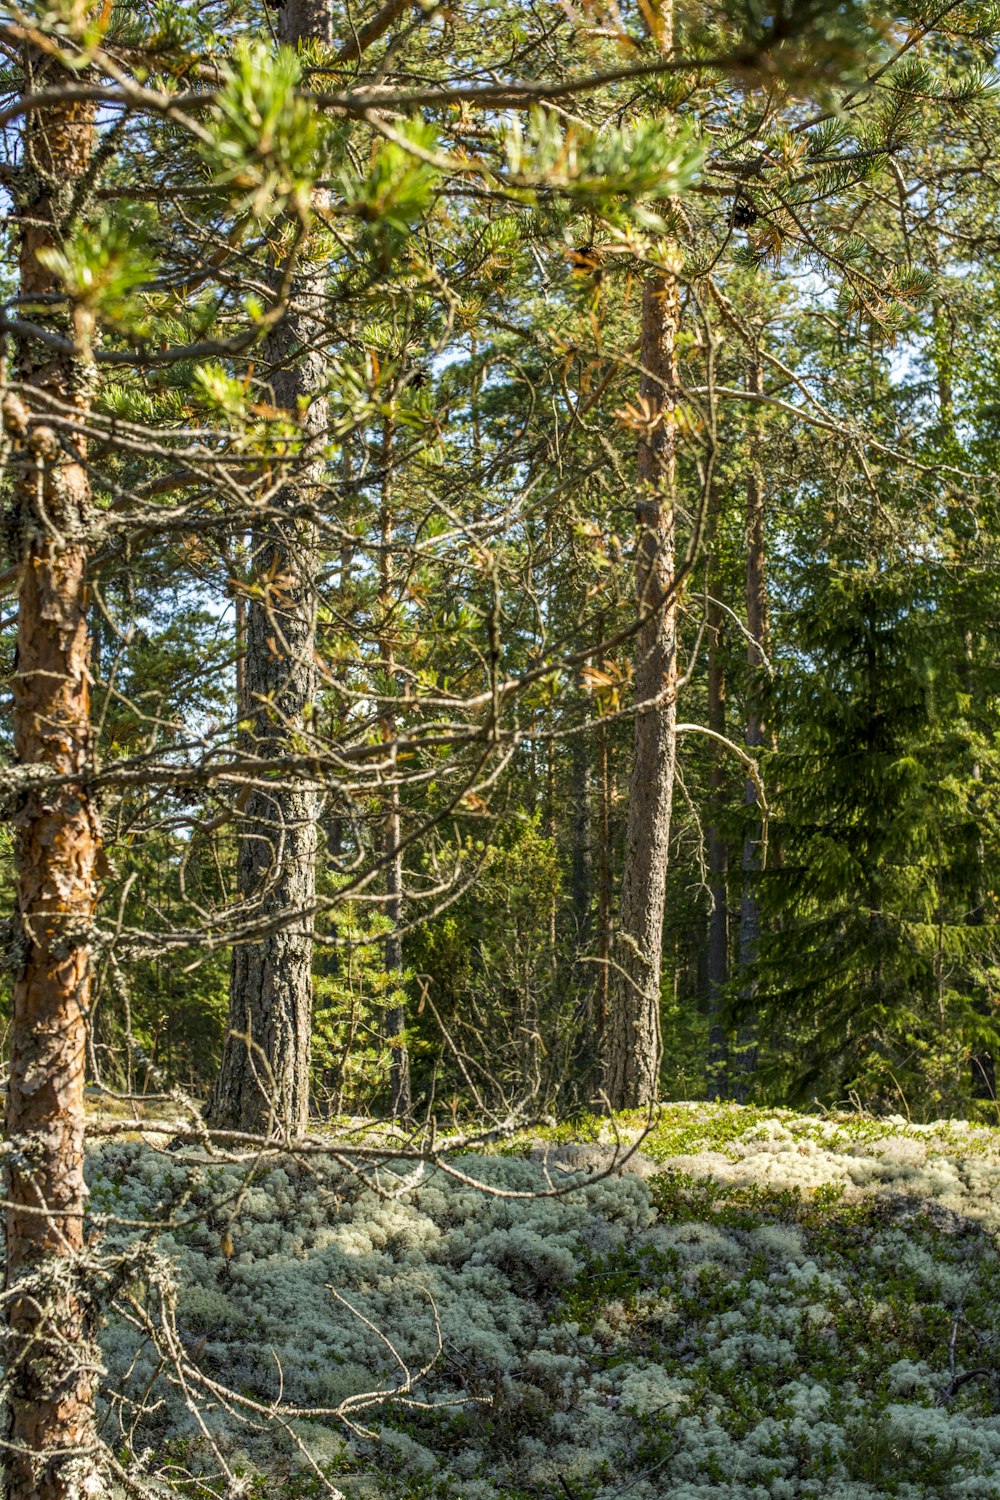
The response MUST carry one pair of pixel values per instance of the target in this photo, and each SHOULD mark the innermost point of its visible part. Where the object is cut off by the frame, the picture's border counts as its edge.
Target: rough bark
(718, 853)
(631, 1071)
(604, 895)
(304, 21)
(582, 854)
(240, 624)
(757, 649)
(395, 1014)
(335, 835)
(49, 1351)
(263, 1083)
(551, 827)
(983, 1062)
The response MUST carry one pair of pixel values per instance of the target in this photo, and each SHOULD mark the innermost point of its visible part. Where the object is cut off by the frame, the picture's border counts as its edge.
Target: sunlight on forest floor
(762, 1304)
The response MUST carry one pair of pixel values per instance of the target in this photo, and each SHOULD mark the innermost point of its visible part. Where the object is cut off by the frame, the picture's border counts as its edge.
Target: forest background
(501, 514)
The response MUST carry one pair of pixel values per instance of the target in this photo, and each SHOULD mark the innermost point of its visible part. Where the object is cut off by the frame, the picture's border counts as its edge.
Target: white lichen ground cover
(771, 1305)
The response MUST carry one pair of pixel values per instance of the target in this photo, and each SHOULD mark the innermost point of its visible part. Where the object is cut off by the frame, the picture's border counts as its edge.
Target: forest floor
(761, 1304)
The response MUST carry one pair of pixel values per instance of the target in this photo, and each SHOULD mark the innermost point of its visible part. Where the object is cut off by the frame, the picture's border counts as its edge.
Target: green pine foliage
(867, 975)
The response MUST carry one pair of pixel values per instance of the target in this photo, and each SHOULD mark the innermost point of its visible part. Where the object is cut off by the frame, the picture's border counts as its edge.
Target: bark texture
(718, 853)
(631, 1073)
(581, 882)
(263, 1083)
(983, 1062)
(304, 21)
(49, 1350)
(395, 1014)
(757, 650)
(604, 896)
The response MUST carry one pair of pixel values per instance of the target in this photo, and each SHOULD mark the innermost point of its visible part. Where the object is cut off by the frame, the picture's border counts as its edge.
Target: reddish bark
(49, 1353)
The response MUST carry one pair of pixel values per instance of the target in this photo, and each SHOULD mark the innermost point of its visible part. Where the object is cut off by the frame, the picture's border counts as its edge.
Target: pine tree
(631, 1074)
(49, 1353)
(263, 1083)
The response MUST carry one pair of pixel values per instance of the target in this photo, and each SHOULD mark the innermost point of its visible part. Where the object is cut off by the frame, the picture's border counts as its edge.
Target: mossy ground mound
(772, 1306)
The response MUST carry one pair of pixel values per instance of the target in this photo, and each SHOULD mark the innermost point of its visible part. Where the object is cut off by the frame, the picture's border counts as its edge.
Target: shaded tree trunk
(604, 897)
(718, 852)
(49, 1351)
(263, 1083)
(757, 649)
(632, 1041)
(335, 835)
(551, 826)
(240, 631)
(983, 1062)
(395, 1015)
(582, 861)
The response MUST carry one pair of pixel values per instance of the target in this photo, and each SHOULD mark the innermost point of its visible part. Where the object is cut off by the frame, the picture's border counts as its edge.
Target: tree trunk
(757, 649)
(240, 630)
(263, 1083)
(718, 852)
(395, 1015)
(335, 834)
(582, 868)
(551, 828)
(984, 1077)
(604, 895)
(50, 1355)
(631, 1073)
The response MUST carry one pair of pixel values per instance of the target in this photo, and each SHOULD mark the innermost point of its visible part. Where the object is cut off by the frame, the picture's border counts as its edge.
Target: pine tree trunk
(983, 1063)
(604, 898)
(335, 833)
(395, 1015)
(49, 1354)
(582, 867)
(263, 1083)
(718, 853)
(631, 1073)
(757, 648)
(551, 828)
(240, 631)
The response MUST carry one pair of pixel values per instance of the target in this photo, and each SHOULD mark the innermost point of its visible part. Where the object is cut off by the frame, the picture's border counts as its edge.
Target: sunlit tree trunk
(50, 1355)
(263, 1084)
(632, 1038)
